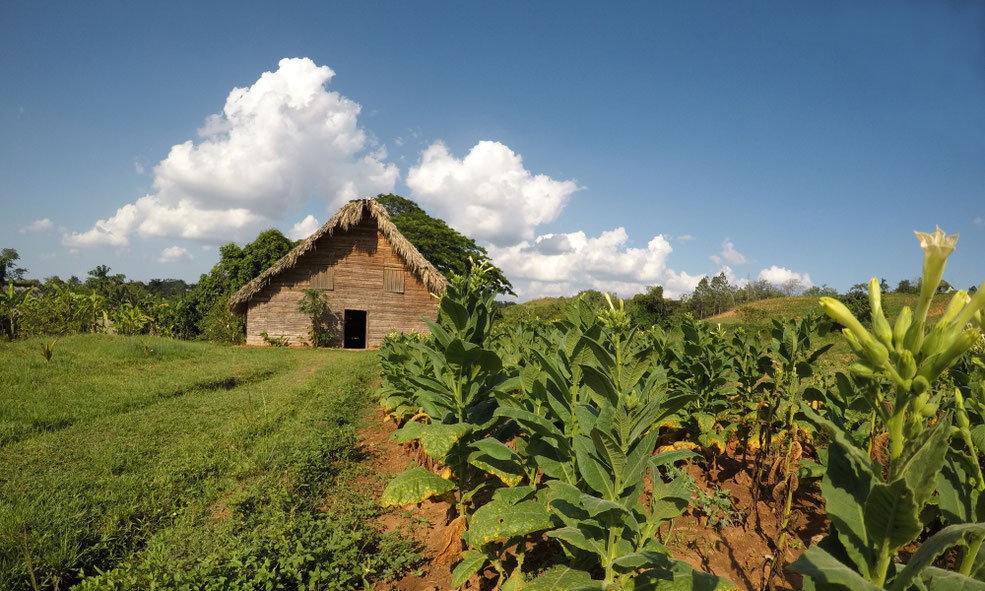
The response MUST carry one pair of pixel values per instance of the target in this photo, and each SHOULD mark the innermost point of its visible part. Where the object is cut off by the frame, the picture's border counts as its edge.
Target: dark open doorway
(354, 329)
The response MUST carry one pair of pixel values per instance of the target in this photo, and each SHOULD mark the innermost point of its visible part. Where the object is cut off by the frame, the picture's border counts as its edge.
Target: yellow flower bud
(930, 410)
(918, 402)
(974, 306)
(914, 337)
(962, 419)
(959, 301)
(862, 370)
(919, 385)
(879, 323)
(934, 342)
(844, 317)
(959, 347)
(902, 324)
(907, 366)
(872, 349)
(852, 341)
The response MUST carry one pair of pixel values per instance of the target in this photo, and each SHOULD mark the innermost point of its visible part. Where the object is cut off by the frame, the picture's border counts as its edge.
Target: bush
(220, 326)
(314, 304)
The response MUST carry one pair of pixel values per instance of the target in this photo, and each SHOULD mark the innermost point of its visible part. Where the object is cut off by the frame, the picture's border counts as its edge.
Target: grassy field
(185, 465)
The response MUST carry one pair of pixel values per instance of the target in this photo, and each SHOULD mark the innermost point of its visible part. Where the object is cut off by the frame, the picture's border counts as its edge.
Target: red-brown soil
(740, 552)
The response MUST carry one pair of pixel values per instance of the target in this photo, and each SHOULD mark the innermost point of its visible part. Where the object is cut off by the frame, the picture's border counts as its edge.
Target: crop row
(556, 431)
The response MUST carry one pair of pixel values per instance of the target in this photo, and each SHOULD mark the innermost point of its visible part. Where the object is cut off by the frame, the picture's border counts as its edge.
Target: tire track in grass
(110, 377)
(90, 494)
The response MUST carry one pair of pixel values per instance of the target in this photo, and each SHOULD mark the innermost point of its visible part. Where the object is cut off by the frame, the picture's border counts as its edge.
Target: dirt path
(426, 521)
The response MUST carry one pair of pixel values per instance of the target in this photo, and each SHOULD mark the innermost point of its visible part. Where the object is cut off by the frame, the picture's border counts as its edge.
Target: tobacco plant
(608, 533)
(456, 399)
(878, 503)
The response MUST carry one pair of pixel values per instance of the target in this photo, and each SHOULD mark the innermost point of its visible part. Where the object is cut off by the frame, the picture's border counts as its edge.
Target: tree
(821, 290)
(446, 249)
(8, 268)
(651, 308)
(236, 267)
(907, 286)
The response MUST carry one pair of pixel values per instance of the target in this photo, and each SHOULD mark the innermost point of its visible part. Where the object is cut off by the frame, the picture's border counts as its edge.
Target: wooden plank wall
(359, 258)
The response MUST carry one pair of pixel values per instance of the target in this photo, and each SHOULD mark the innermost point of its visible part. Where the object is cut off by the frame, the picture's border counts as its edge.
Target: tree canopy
(443, 246)
(8, 267)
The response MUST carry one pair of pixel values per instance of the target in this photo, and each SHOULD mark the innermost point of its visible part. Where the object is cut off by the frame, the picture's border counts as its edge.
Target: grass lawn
(185, 465)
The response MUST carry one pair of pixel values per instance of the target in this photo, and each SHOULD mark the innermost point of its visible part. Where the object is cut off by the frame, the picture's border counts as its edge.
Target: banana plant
(878, 506)
(12, 302)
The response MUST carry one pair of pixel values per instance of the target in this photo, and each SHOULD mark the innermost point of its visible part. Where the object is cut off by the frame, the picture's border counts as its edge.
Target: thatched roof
(351, 214)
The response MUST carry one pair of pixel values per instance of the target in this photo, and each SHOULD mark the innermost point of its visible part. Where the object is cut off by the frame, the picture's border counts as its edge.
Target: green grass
(196, 463)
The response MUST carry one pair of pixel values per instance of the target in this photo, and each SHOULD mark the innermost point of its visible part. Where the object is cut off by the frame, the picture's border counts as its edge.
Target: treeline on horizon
(181, 310)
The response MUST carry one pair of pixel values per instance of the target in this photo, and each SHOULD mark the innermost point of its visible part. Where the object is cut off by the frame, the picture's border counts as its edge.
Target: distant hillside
(753, 315)
(761, 312)
(545, 309)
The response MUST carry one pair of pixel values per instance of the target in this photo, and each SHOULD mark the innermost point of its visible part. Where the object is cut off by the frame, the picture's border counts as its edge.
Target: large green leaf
(455, 312)
(599, 385)
(669, 457)
(585, 537)
(956, 498)
(680, 577)
(607, 447)
(937, 544)
(494, 457)
(514, 495)
(636, 461)
(547, 458)
(938, 579)
(668, 500)
(595, 474)
(637, 560)
(471, 562)
(845, 488)
(922, 464)
(531, 422)
(436, 439)
(818, 564)
(564, 578)
(413, 486)
(496, 520)
(632, 373)
(596, 506)
(892, 514)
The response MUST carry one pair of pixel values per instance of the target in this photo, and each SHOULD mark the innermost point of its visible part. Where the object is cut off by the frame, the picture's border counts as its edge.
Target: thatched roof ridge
(351, 214)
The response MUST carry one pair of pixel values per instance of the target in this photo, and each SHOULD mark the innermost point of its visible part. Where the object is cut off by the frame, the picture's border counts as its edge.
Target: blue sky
(587, 145)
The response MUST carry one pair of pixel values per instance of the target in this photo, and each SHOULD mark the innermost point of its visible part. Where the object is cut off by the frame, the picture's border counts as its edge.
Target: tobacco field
(559, 449)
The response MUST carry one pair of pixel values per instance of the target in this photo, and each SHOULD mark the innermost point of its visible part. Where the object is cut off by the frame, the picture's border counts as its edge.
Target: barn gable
(369, 272)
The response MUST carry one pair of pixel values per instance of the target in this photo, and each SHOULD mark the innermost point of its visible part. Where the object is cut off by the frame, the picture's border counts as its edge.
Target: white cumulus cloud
(564, 264)
(728, 255)
(304, 228)
(174, 254)
(38, 226)
(781, 276)
(278, 143)
(487, 195)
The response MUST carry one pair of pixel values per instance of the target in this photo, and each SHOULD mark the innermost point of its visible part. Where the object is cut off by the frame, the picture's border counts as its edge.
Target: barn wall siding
(359, 258)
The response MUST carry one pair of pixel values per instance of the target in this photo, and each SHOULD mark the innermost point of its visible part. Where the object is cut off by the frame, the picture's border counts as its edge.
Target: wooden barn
(374, 279)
